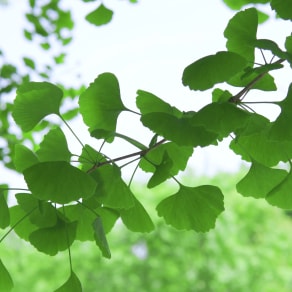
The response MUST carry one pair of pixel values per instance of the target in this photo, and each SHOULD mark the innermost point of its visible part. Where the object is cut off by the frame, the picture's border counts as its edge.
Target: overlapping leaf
(100, 16)
(4, 211)
(6, 283)
(73, 284)
(34, 101)
(100, 237)
(283, 8)
(208, 71)
(100, 105)
(23, 157)
(192, 208)
(59, 182)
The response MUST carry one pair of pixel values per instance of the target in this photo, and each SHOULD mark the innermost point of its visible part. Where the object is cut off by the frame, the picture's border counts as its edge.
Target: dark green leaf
(59, 182)
(23, 158)
(34, 101)
(6, 283)
(53, 239)
(260, 180)
(208, 71)
(288, 44)
(29, 62)
(54, 147)
(4, 211)
(283, 8)
(100, 16)
(7, 71)
(241, 33)
(100, 237)
(219, 95)
(73, 284)
(192, 208)
(266, 44)
(100, 105)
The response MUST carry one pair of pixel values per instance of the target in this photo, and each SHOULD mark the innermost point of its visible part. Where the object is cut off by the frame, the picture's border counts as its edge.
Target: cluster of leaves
(71, 199)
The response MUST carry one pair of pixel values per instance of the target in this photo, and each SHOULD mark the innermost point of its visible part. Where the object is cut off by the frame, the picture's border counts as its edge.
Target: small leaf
(100, 105)
(54, 147)
(59, 182)
(266, 44)
(219, 95)
(6, 283)
(34, 101)
(4, 211)
(23, 158)
(283, 8)
(192, 208)
(73, 284)
(100, 237)
(100, 16)
(208, 71)
(29, 62)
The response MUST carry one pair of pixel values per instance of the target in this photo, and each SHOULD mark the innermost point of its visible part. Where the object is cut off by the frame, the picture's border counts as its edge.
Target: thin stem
(134, 112)
(258, 102)
(133, 174)
(14, 189)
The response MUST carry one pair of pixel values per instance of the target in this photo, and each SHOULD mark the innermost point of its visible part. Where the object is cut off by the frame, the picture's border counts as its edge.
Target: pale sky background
(147, 46)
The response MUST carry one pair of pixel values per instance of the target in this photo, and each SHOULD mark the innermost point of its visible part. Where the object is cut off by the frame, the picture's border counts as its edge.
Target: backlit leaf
(59, 182)
(237, 4)
(219, 95)
(208, 71)
(100, 237)
(4, 211)
(6, 282)
(34, 101)
(192, 208)
(283, 8)
(100, 16)
(73, 284)
(23, 158)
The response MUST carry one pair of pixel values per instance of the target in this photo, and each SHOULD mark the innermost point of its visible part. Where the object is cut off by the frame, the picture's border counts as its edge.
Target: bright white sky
(147, 46)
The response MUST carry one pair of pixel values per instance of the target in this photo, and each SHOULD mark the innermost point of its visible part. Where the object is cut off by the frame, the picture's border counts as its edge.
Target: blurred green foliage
(249, 250)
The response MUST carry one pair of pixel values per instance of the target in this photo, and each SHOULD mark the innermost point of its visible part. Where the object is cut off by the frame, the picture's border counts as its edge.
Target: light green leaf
(208, 71)
(34, 101)
(100, 237)
(100, 105)
(260, 180)
(73, 284)
(4, 211)
(59, 182)
(90, 157)
(237, 4)
(192, 208)
(23, 158)
(29, 62)
(283, 8)
(241, 33)
(6, 282)
(100, 16)
(51, 240)
(54, 147)
(219, 95)
(136, 218)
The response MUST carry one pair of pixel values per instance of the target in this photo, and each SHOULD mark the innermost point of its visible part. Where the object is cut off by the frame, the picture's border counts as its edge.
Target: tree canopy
(81, 196)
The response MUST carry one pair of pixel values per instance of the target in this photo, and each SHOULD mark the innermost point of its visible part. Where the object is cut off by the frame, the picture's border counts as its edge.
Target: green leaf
(6, 282)
(90, 157)
(241, 33)
(136, 218)
(260, 180)
(51, 240)
(192, 208)
(208, 71)
(73, 284)
(283, 8)
(237, 4)
(100, 16)
(4, 211)
(100, 105)
(60, 59)
(266, 44)
(280, 195)
(59, 182)
(29, 62)
(54, 147)
(288, 44)
(23, 158)
(100, 238)
(34, 101)
(219, 95)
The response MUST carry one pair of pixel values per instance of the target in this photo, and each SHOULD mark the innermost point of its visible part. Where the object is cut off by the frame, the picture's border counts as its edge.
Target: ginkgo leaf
(90, 157)
(4, 211)
(100, 237)
(51, 240)
(73, 284)
(100, 16)
(283, 8)
(59, 182)
(34, 101)
(100, 105)
(267, 44)
(241, 33)
(201, 206)
(6, 282)
(136, 218)
(210, 70)
(260, 180)
(219, 95)
(23, 158)
(281, 195)
(54, 147)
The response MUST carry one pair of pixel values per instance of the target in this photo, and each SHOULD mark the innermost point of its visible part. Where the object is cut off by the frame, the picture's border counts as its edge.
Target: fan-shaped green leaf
(100, 238)
(208, 71)
(136, 218)
(34, 101)
(260, 180)
(283, 8)
(6, 283)
(51, 240)
(192, 208)
(4, 211)
(100, 16)
(73, 284)
(59, 182)
(23, 158)
(54, 147)
(266, 44)
(100, 105)
(241, 33)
